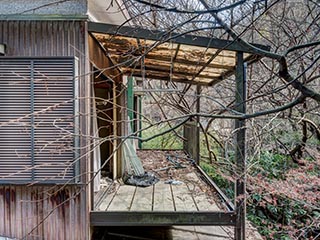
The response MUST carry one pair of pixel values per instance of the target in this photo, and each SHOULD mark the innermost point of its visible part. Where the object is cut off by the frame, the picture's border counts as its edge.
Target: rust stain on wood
(45, 211)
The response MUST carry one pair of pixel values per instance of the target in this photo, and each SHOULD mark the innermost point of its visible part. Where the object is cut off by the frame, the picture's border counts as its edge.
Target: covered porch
(194, 199)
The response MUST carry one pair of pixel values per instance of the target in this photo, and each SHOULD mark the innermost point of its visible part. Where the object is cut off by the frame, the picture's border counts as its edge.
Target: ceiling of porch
(157, 55)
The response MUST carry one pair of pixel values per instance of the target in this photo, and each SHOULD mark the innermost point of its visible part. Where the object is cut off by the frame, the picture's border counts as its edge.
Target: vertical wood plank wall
(48, 212)
(41, 212)
(191, 145)
(99, 59)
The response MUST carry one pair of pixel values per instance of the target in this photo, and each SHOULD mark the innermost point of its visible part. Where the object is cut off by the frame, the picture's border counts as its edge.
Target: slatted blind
(37, 119)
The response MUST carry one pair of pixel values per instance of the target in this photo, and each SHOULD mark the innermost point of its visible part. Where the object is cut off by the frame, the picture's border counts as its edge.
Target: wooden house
(46, 75)
(53, 64)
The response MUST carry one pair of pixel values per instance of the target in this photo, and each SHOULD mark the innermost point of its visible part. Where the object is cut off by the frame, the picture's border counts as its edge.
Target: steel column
(115, 131)
(198, 106)
(240, 153)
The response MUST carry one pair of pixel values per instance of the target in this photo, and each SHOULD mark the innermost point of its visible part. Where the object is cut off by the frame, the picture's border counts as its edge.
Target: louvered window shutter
(37, 119)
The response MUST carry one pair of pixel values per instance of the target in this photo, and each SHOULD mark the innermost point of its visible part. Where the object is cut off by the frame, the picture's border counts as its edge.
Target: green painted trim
(140, 122)
(130, 99)
(34, 17)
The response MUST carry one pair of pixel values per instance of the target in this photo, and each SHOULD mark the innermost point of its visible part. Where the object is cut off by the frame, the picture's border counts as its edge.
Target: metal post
(115, 131)
(240, 154)
(198, 126)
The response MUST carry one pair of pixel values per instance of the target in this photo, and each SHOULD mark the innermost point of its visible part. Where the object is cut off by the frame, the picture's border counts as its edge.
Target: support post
(115, 131)
(140, 121)
(198, 126)
(240, 154)
(130, 100)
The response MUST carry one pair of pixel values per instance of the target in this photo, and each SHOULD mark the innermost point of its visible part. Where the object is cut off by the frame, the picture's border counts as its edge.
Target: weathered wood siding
(43, 38)
(191, 144)
(100, 60)
(49, 212)
(41, 212)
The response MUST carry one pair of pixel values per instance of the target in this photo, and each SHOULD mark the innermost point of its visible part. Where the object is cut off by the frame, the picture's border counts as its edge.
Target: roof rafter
(195, 59)
(156, 35)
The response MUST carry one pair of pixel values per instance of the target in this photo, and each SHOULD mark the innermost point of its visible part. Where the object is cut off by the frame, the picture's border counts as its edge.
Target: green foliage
(224, 184)
(271, 165)
(166, 141)
(281, 219)
(275, 215)
(214, 146)
(279, 214)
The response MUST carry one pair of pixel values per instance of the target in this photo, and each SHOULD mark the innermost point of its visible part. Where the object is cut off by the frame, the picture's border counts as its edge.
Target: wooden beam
(248, 60)
(125, 218)
(187, 71)
(100, 60)
(130, 60)
(178, 38)
(166, 76)
(115, 131)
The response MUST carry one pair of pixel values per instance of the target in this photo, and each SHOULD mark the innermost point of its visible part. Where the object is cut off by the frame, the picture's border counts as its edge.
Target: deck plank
(98, 197)
(108, 196)
(201, 199)
(182, 198)
(143, 199)
(204, 204)
(162, 197)
(122, 199)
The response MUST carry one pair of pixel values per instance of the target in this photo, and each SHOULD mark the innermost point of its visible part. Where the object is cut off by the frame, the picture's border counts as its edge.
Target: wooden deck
(186, 200)
(158, 197)
(193, 202)
(187, 191)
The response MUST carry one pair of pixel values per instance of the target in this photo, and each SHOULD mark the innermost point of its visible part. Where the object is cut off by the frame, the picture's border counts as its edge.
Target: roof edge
(41, 17)
(187, 39)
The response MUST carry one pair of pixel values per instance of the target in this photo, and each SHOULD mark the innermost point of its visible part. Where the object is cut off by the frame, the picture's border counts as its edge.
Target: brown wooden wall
(41, 212)
(191, 144)
(49, 212)
(99, 60)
